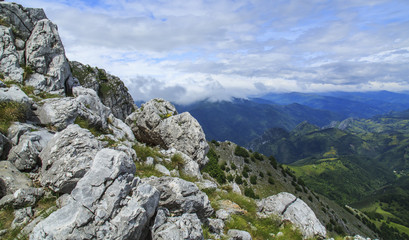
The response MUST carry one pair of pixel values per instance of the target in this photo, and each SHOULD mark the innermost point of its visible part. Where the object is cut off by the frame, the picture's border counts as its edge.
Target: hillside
(80, 161)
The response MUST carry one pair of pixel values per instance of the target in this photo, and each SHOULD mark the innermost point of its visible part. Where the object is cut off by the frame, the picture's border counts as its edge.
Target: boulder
(22, 197)
(9, 57)
(235, 234)
(216, 226)
(25, 155)
(5, 146)
(186, 226)
(67, 157)
(290, 208)
(17, 129)
(158, 123)
(46, 56)
(180, 196)
(61, 112)
(22, 217)
(107, 203)
(162, 169)
(119, 129)
(11, 179)
(14, 94)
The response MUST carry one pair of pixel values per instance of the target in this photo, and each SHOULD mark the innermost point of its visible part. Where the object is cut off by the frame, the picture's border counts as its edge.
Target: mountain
(242, 120)
(71, 168)
(359, 162)
(347, 104)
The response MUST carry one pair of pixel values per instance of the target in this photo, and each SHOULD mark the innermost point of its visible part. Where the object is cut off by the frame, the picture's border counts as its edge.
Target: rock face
(158, 123)
(111, 90)
(107, 203)
(180, 196)
(61, 112)
(235, 234)
(11, 179)
(5, 146)
(67, 157)
(293, 209)
(25, 155)
(29, 39)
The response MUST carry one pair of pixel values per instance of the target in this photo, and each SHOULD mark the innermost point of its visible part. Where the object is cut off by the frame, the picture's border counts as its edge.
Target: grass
(6, 217)
(143, 170)
(11, 112)
(143, 152)
(85, 124)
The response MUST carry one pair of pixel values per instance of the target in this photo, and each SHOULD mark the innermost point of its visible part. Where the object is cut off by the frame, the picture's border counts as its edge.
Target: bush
(238, 180)
(261, 174)
(258, 156)
(273, 161)
(245, 174)
(230, 178)
(271, 180)
(216, 143)
(246, 160)
(250, 193)
(213, 168)
(253, 179)
(233, 166)
(241, 152)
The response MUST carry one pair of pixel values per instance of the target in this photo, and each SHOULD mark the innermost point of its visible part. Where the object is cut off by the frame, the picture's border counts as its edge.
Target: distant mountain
(242, 120)
(347, 104)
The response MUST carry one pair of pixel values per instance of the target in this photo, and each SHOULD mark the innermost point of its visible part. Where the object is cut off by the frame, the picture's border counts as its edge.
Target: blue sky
(186, 51)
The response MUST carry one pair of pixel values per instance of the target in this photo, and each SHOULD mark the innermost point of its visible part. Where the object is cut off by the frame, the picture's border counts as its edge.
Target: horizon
(188, 52)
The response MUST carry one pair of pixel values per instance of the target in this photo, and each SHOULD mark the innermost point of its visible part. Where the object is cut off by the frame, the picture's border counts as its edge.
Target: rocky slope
(71, 168)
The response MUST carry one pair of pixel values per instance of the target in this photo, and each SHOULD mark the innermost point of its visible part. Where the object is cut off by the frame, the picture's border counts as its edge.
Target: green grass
(11, 112)
(85, 124)
(143, 170)
(6, 217)
(143, 152)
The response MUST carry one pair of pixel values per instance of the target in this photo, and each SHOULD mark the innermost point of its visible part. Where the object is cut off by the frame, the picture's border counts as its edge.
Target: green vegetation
(96, 131)
(241, 152)
(27, 72)
(11, 112)
(143, 152)
(213, 167)
(143, 170)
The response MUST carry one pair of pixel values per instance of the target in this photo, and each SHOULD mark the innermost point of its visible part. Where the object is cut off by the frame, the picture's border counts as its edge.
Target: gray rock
(106, 198)
(162, 169)
(9, 57)
(293, 209)
(119, 129)
(5, 145)
(222, 214)
(22, 197)
(22, 217)
(17, 129)
(185, 134)
(187, 226)
(206, 185)
(45, 54)
(180, 196)
(14, 94)
(150, 161)
(58, 112)
(67, 157)
(235, 188)
(110, 89)
(216, 226)
(235, 234)
(25, 155)
(11, 179)
(145, 119)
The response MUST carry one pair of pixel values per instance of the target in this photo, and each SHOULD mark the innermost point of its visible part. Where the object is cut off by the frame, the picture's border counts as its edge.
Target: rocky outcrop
(158, 123)
(67, 157)
(235, 234)
(186, 226)
(293, 209)
(180, 196)
(32, 50)
(23, 197)
(110, 89)
(5, 146)
(14, 94)
(11, 179)
(25, 154)
(107, 203)
(61, 112)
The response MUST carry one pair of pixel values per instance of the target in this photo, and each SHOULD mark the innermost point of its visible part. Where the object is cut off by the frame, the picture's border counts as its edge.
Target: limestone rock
(162, 169)
(22, 197)
(22, 217)
(180, 196)
(25, 155)
(206, 185)
(67, 157)
(5, 146)
(110, 89)
(14, 94)
(235, 234)
(293, 209)
(46, 56)
(119, 129)
(187, 226)
(107, 203)
(11, 179)
(9, 57)
(235, 188)
(158, 123)
(17, 129)
(216, 226)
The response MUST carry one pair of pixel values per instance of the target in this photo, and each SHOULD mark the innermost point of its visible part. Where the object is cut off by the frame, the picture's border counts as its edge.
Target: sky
(187, 51)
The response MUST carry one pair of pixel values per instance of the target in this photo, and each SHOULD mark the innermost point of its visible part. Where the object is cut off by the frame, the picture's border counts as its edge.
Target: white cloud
(192, 50)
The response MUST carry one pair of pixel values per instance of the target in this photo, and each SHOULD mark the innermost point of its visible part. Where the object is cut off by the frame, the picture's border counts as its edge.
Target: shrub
(213, 168)
(250, 193)
(216, 143)
(238, 180)
(241, 152)
(253, 179)
(273, 161)
(246, 160)
(230, 178)
(258, 156)
(271, 180)
(233, 166)
(245, 174)
(261, 174)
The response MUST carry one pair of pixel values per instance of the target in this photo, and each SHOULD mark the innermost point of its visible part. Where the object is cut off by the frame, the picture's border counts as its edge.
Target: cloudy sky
(217, 49)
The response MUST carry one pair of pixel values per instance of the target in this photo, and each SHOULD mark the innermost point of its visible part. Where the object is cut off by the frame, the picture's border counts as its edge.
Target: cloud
(192, 50)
